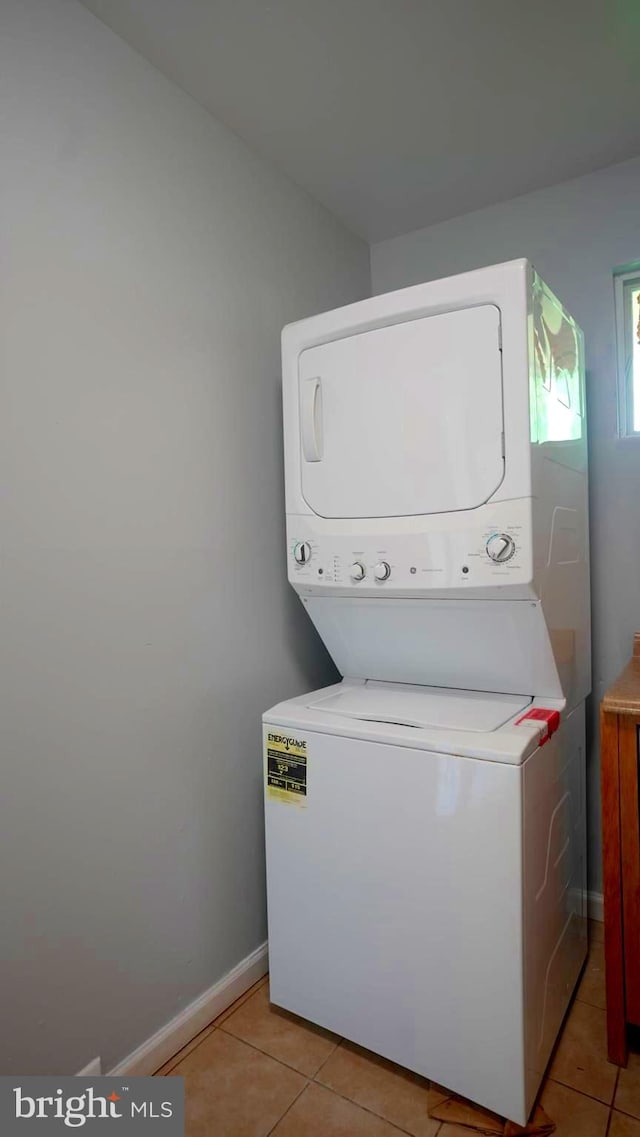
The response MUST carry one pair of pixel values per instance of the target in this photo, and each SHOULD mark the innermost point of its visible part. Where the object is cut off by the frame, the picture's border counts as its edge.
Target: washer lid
(440, 707)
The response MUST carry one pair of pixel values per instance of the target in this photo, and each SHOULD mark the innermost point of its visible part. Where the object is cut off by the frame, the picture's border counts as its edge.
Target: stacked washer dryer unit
(425, 829)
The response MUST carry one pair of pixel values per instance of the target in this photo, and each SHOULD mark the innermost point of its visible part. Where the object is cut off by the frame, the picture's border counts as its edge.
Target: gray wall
(575, 233)
(149, 261)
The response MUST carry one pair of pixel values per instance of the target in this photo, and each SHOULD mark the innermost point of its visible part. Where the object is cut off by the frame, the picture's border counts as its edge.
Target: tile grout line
(312, 1078)
(325, 1060)
(586, 1003)
(266, 1053)
(616, 1108)
(332, 1090)
(615, 1090)
(631, 1116)
(291, 1104)
(568, 1086)
(365, 1108)
(309, 1080)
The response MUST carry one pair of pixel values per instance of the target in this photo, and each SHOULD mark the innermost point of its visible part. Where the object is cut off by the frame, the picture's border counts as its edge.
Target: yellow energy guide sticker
(286, 768)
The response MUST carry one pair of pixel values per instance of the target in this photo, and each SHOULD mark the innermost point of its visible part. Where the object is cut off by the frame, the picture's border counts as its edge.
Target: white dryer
(425, 848)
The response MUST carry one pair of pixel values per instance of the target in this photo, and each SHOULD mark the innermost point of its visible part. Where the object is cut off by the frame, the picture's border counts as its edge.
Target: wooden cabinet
(619, 726)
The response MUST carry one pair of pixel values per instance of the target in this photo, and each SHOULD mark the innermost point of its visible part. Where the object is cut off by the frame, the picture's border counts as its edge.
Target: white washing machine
(425, 820)
(426, 882)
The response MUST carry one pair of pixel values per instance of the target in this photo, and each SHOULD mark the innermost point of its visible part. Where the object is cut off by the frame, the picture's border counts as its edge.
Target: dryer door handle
(311, 419)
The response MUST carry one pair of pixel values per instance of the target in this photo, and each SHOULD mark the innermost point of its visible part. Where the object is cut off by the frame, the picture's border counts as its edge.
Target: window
(627, 303)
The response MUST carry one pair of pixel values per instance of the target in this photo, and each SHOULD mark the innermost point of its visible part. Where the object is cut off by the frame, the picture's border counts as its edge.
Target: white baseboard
(167, 1041)
(595, 906)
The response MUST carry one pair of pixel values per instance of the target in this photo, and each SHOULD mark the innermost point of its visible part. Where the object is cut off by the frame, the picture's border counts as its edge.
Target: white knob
(358, 571)
(501, 547)
(382, 571)
(302, 553)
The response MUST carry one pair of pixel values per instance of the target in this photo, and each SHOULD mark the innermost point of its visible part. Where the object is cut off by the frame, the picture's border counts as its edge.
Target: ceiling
(400, 113)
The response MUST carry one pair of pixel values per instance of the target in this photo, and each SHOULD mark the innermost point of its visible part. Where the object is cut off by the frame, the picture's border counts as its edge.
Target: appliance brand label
(124, 1107)
(286, 768)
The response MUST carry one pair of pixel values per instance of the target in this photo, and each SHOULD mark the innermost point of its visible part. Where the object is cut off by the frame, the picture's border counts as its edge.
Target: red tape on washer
(542, 714)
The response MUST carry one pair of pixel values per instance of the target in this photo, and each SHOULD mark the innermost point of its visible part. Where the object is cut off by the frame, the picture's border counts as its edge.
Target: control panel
(453, 556)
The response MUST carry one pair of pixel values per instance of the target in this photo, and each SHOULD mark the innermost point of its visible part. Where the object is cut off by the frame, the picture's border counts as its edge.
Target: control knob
(358, 571)
(500, 547)
(302, 553)
(382, 571)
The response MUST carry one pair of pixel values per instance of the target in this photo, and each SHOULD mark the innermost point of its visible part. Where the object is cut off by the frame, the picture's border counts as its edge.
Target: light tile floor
(257, 1071)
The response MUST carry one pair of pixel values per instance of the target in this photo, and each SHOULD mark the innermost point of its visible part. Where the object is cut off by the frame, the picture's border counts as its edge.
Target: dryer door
(405, 419)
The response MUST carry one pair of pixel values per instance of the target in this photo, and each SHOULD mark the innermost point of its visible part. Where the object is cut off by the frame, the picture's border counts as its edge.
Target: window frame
(626, 281)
